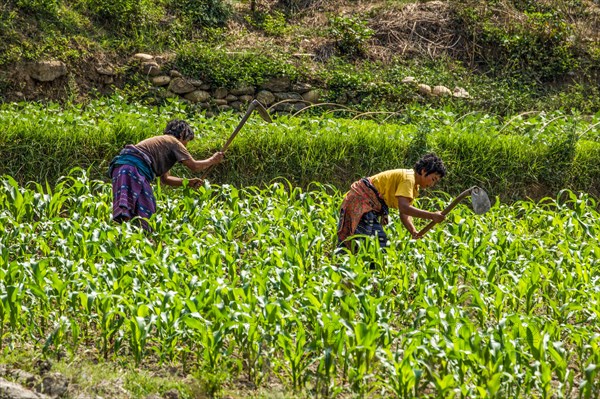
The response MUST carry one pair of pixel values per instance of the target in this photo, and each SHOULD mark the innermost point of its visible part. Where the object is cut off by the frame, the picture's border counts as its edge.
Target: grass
(532, 155)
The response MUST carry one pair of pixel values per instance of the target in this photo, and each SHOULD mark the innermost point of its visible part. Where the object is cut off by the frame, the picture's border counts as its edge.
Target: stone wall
(279, 93)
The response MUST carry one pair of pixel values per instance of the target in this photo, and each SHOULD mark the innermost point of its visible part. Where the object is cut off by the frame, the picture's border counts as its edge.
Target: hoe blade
(262, 111)
(481, 202)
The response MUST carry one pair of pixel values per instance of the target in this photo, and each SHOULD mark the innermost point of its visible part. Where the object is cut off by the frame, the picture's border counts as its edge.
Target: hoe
(254, 105)
(479, 198)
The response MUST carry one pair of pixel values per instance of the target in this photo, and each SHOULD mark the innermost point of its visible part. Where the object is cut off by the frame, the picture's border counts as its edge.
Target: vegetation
(511, 56)
(238, 290)
(531, 155)
(241, 286)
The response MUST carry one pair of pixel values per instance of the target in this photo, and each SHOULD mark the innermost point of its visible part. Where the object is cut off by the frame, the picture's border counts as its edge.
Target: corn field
(243, 284)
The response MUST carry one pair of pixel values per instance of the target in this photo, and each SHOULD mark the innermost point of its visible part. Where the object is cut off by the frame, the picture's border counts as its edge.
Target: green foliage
(125, 15)
(513, 158)
(226, 69)
(41, 8)
(351, 34)
(537, 45)
(204, 13)
(272, 23)
(245, 280)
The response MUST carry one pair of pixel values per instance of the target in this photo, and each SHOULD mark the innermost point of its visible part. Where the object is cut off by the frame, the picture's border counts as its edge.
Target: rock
(243, 90)
(53, 384)
(299, 106)
(277, 84)
(301, 88)
(171, 394)
(143, 57)
(221, 101)
(151, 68)
(459, 92)
(181, 86)
(265, 97)
(220, 93)
(424, 89)
(47, 71)
(24, 378)
(175, 74)
(10, 390)
(224, 107)
(161, 80)
(441, 91)
(409, 80)
(237, 105)
(312, 96)
(107, 70)
(246, 99)
(287, 96)
(198, 96)
(231, 98)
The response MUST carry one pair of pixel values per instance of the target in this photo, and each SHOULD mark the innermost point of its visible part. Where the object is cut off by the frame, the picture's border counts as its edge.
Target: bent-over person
(136, 166)
(365, 207)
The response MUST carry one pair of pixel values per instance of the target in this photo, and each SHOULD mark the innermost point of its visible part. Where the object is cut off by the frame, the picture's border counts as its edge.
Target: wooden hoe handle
(251, 107)
(447, 210)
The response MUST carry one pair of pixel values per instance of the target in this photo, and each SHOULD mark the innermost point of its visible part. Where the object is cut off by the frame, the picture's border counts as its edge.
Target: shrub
(537, 43)
(125, 15)
(204, 13)
(350, 33)
(41, 8)
(228, 69)
(272, 24)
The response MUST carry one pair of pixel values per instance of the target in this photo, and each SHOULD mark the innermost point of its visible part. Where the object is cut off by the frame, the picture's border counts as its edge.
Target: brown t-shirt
(164, 151)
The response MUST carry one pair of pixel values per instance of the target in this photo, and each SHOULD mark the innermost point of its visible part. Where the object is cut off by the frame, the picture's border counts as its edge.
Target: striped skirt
(132, 195)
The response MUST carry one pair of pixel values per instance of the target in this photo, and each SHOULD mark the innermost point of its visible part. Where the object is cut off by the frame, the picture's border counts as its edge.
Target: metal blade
(481, 202)
(262, 111)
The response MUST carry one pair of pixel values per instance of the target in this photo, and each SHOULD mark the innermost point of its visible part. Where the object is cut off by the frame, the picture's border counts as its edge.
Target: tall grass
(522, 156)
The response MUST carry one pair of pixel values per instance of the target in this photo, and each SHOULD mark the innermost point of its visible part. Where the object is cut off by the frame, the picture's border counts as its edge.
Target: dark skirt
(360, 213)
(132, 195)
(371, 226)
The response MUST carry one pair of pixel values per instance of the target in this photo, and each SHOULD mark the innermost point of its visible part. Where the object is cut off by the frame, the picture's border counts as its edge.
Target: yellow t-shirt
(396, 183)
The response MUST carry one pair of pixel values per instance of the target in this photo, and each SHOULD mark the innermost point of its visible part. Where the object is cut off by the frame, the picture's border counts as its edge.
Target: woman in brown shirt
(138, 165)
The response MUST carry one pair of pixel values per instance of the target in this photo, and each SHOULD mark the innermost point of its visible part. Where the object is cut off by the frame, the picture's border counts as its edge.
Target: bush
(125, 15)
(204, 13)
(229, 69)
(41, 8)
(272, 24)
(539, 44)
(351, 34)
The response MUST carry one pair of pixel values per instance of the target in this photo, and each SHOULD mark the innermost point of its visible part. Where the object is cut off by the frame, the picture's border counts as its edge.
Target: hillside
(508, 56)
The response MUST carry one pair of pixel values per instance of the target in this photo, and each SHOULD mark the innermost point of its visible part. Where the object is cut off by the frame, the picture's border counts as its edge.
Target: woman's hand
(216, 158)
(437, 217)
(195, 183)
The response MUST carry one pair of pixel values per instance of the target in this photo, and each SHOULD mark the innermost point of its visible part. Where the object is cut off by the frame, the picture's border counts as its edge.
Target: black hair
(180, 129)
(430, 163)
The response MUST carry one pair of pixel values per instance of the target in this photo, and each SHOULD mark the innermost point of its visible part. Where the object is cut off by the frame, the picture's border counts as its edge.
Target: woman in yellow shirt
(365, 207)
